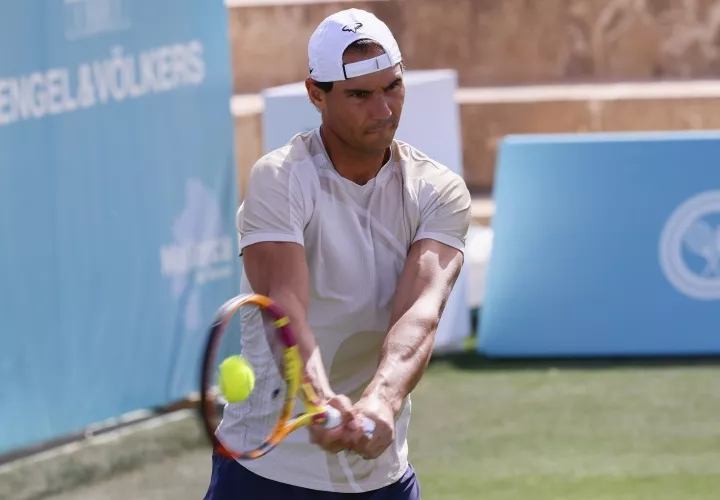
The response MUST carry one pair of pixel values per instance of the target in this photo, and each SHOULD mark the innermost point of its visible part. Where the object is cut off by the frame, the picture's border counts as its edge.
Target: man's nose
(380, 107)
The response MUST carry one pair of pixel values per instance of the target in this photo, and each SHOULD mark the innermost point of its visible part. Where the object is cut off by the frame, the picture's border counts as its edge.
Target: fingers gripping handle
(334, 418)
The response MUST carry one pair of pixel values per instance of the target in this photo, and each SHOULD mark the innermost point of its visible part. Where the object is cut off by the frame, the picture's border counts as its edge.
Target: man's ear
(316, 95)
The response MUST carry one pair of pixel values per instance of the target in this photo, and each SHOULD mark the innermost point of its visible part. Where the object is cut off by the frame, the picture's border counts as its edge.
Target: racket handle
(334, 418)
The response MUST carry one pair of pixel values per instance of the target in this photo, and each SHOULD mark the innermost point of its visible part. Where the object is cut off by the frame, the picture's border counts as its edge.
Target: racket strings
(252, 333)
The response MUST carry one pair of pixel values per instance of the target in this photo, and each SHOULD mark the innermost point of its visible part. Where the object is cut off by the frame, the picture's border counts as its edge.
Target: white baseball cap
(336, 32)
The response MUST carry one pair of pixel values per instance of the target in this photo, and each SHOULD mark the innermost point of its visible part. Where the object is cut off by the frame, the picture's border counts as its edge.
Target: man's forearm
(315, 372)
(423, 289)
(404, 357)
(295, 309)
(279, 270)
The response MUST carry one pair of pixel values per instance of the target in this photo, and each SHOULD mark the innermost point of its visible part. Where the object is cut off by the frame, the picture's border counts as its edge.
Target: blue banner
(117, 204)
(605, 244)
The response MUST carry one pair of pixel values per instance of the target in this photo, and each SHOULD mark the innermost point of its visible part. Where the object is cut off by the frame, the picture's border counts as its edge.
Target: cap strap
(367, 66)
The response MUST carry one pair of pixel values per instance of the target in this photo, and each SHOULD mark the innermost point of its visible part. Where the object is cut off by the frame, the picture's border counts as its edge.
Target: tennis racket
(257, 311)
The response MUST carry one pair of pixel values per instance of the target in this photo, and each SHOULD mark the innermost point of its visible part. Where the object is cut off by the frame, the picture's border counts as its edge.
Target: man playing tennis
(360, 238)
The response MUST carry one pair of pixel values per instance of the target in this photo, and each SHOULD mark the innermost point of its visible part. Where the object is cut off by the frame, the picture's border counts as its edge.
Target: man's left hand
(380, 412)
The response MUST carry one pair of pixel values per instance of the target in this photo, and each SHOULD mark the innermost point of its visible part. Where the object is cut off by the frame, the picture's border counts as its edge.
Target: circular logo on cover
(690, 247)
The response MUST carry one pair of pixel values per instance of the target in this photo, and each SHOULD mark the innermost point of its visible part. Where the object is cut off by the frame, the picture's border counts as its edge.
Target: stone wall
(497, 42)
(488, 114)
(559, 41)
(502, 49)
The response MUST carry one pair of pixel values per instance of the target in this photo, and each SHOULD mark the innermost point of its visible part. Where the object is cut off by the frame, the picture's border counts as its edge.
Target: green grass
(504, 431)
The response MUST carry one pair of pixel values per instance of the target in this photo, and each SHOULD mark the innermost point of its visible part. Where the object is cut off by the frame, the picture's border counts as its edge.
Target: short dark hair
(361, 46)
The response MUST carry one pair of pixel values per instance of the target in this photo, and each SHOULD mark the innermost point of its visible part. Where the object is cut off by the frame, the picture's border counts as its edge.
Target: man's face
(364, 112)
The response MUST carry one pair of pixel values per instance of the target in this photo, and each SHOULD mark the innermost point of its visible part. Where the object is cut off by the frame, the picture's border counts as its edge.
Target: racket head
(284, 350)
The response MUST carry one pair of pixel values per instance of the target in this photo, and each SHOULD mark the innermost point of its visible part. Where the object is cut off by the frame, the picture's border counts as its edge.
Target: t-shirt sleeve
(274, 208)
(445, 211)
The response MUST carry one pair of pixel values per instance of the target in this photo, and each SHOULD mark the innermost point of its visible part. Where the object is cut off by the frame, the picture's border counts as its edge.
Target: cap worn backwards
(336, 32)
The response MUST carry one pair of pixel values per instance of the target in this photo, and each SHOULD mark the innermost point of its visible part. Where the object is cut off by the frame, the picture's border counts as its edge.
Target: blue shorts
(232, 481)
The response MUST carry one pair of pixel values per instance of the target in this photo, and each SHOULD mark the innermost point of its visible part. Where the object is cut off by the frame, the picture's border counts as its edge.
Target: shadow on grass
(475, 361)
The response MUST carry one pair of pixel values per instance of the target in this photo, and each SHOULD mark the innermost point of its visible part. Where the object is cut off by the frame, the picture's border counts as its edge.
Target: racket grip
(334, 418)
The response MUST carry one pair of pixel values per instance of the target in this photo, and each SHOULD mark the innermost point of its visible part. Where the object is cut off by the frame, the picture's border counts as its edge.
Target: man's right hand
(343, 437)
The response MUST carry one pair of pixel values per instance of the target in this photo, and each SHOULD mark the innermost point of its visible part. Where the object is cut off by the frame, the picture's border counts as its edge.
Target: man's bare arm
(279, 270)
(425, 283)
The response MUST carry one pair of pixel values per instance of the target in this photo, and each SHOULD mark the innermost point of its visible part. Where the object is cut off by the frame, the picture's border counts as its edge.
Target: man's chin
(380, 141)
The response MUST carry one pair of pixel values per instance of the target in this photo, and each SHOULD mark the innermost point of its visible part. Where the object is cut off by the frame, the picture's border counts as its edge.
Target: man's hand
(381, 413)
(345, 436)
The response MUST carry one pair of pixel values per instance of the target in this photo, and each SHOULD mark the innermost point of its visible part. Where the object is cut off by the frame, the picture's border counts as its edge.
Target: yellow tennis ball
(237, 379)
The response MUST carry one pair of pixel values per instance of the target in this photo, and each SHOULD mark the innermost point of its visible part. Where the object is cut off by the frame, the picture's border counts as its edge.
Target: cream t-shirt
(356, 239)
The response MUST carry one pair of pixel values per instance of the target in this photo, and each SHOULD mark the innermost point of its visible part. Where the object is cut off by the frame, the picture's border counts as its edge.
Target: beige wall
(511, 46)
